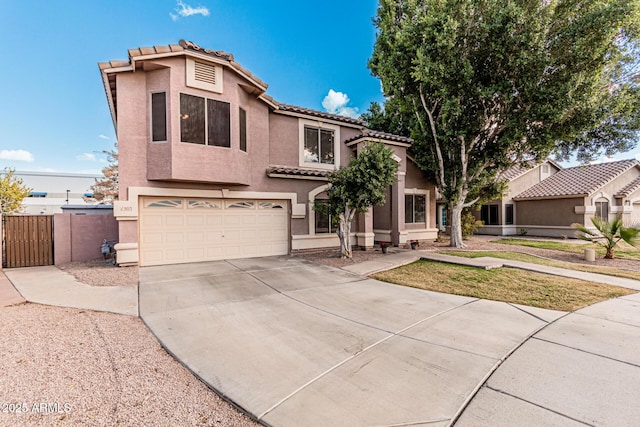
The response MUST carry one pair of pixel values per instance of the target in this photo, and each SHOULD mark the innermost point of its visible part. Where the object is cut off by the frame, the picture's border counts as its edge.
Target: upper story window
(319, 144)
(242, 117)
(159, 116)
(204, 121)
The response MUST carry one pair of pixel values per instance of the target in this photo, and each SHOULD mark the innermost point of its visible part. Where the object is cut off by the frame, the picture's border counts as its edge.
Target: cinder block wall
(78, 237)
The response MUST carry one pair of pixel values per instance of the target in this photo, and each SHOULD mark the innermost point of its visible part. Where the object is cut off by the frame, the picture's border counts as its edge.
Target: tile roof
(321, 114)
(515, 171)
(294, 171)
(577, 181)
(629, 189)
(374, 134)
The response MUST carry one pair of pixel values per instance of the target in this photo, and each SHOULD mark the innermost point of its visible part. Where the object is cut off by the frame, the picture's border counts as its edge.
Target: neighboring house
(501, 216)
(576, 194)
(50, 191)
(210, 167)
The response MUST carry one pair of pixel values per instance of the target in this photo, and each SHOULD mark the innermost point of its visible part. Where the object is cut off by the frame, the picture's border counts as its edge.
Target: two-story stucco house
(211, 167)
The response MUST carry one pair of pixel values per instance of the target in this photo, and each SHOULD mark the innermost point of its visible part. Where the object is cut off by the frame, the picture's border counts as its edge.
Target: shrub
(469, 224)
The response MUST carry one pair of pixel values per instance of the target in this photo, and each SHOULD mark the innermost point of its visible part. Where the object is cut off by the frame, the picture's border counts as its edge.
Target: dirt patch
(64, 366)
(97, 273)
(332, 257)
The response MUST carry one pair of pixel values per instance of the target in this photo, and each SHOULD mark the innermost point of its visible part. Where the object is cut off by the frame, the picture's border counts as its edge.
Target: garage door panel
(214, 220)
(153, 220)
(195, 220)
(151, 238)
(171, 220)
(172, 238)
(188, 230)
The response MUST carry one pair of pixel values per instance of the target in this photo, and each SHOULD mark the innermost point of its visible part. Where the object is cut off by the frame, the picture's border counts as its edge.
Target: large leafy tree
(485, 85)
(12, 192)
(105, 189)
(359, 186)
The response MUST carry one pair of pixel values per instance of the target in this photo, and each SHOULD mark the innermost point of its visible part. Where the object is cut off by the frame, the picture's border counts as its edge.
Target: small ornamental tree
(608, 234)
(358, 187)
(12, 192)
(105, 189)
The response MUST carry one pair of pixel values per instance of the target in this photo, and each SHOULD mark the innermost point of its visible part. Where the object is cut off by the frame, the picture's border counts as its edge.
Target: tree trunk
(344, 233)
(456, 225)
(609, 254)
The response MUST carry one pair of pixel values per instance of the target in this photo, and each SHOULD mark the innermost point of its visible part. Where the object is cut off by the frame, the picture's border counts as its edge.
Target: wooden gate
(28, 240)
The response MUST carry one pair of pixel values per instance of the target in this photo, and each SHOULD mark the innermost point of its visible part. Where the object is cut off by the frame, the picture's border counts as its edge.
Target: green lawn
(509, 285)
(517, 256)
(624, 251)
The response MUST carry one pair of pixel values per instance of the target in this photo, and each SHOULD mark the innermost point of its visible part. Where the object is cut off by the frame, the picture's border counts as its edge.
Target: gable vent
(204, 75)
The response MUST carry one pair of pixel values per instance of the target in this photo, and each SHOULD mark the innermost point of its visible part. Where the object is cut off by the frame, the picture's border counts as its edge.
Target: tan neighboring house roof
(629, 189)
(522, 168)
(577, 181)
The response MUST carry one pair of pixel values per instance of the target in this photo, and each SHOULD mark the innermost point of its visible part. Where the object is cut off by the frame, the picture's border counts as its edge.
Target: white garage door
(179, 230)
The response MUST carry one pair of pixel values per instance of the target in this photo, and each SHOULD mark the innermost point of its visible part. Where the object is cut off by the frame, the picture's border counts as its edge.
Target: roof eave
(564, 196)
(319, 119)
(377, 139)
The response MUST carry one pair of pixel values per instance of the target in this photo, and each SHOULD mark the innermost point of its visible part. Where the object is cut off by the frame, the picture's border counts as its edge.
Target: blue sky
(53, 111)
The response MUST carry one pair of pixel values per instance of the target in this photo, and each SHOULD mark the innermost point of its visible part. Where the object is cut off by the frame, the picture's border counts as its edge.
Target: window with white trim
(415, 208)
(324, 221)
(602, 209)
(319, 144)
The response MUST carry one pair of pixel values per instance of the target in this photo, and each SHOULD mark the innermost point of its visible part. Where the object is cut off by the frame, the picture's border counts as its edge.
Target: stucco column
(398, 233)
(365, 235)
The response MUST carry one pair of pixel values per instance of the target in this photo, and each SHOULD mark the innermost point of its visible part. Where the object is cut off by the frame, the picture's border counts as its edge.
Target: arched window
(602, 209)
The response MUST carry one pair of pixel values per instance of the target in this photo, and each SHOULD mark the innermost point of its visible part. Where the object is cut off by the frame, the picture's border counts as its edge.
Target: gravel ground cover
(63, 366)
(98, 273)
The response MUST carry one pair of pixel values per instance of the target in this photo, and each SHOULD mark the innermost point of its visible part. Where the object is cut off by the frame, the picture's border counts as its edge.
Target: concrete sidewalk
(584, 369)
(51, 286)
(8, 294)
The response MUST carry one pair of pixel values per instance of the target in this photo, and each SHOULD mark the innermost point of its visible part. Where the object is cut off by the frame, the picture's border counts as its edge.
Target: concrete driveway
(294, 343)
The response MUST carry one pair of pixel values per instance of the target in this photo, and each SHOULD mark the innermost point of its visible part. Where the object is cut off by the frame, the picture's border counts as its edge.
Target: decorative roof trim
(293, 110)
(297, 173)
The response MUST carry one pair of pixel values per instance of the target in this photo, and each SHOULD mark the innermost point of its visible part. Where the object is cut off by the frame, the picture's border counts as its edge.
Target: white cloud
(336, 103)
(17, 155)
(90, 157)
(185, 10)
(86, 157)
(105, 137)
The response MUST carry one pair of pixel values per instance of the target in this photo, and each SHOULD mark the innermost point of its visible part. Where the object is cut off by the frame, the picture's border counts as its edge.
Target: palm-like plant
(608, 234)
